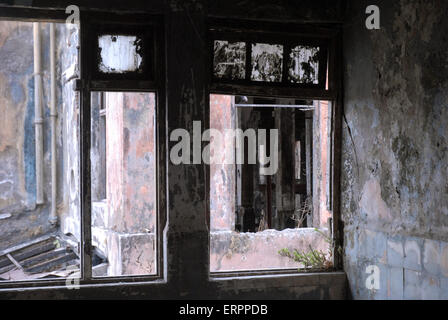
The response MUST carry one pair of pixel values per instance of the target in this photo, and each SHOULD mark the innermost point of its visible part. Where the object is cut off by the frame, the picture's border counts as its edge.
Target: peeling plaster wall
(69, 134)
(20, 219)
(394, 171)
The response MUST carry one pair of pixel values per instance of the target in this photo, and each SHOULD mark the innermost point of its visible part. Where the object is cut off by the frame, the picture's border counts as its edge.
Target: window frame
(85, 85)
(333, 94)
(218, 29)
(109, 82)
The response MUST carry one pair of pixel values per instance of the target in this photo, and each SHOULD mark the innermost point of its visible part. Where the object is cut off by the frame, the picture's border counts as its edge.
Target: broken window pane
(229, 60)
(119, 53)
(304, 65)
(267, 62)
(258, 216)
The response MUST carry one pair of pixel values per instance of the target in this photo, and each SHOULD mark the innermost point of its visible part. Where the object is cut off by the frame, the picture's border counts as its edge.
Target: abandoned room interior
(232, 149)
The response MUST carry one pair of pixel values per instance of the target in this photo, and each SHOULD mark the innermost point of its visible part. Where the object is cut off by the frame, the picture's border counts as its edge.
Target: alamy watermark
(73, 20)
(181, 153)
(373, 20)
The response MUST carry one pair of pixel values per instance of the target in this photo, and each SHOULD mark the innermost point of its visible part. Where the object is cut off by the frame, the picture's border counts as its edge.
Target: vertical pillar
(285, 178)
(222, 174)
(187, 101)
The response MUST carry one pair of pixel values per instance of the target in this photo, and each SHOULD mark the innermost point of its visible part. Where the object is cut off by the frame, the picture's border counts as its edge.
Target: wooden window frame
(333, 93)
(238, 30)
(85, 85)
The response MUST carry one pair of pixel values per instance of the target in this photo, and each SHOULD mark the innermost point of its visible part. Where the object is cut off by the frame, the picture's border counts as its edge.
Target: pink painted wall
(222, 176)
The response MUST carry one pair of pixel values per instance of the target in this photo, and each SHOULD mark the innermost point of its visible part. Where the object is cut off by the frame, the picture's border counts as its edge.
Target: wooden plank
(27, 244)
(32, 14)
(7, 268)
(34, 252)
(84, 153)
(29, 251)
(52, 264)
(35, 260)
(14, 262)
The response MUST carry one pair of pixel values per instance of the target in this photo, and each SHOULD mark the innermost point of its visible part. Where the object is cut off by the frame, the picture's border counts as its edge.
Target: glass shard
(267, 62)
(304, 65)
(229, 60)
(119, 53)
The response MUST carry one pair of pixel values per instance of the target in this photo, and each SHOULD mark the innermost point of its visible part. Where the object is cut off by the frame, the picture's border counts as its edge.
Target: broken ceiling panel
(229, 60)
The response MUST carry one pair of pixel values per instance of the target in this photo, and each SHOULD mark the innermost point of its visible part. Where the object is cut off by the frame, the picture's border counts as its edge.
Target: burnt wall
(395, 150)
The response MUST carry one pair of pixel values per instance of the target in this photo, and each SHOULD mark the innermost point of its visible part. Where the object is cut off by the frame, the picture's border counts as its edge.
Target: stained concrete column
(187, 101)
(222, 172)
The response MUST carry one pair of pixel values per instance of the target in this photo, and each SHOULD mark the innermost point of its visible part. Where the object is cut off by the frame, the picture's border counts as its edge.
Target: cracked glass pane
(304, 65)
(119, 53)
(229, 60)
(267, 62)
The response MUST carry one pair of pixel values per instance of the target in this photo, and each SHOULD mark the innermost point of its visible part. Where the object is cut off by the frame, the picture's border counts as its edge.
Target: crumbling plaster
(395, 151)
(21, 219)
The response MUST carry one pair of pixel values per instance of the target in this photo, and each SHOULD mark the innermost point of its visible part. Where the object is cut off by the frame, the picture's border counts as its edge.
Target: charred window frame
(329, 88)
(288, 36)
(150, 28)
(142, 78)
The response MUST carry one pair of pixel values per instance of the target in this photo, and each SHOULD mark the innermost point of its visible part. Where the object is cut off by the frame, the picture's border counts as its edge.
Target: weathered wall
(222, 171)
(20, 218)
(395, 191)
(68, 133)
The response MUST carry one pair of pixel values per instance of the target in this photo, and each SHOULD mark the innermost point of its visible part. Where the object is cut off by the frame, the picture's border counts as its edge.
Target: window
(270, 209)
(119, 54)
(111, 153)
(100, 140)
(290, 61)
(267, 62)
(123, 221)
(261, 204)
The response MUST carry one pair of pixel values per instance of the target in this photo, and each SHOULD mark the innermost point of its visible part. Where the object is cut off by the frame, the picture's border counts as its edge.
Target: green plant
(313, 259)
